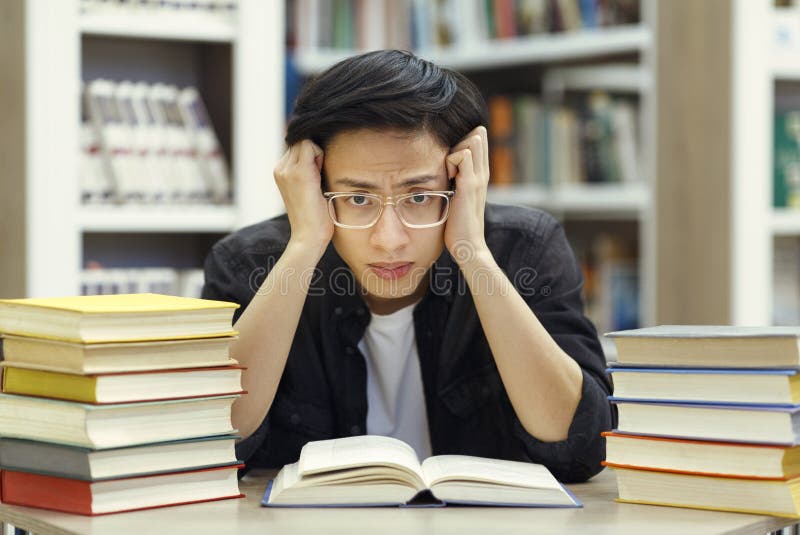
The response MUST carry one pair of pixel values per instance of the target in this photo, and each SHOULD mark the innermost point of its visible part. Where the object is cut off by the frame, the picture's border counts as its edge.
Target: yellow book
(124, 387)
(117, 318)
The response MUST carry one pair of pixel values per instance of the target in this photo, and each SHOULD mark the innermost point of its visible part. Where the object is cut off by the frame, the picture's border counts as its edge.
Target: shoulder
(263, 237)
(252, 246)
(517, 227)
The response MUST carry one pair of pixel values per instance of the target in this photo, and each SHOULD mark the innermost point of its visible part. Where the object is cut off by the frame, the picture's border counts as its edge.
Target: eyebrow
(408, 182)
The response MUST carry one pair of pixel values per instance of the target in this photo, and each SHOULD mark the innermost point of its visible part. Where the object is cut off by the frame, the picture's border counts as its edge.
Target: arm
(268, 324)
(546, 351)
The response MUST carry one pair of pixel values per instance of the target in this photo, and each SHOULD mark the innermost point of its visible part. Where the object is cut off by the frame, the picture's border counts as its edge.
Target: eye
(419, 198)
(359, 200)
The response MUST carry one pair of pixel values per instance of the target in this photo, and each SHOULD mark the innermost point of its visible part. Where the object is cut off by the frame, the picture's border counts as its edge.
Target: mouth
(391, 270)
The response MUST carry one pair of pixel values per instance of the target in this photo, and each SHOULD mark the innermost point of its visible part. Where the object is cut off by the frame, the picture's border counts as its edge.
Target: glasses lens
(423, 208)
(355, 210)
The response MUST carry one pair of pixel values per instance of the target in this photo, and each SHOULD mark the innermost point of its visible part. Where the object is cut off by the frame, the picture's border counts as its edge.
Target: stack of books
(709, 418)
(117, 402)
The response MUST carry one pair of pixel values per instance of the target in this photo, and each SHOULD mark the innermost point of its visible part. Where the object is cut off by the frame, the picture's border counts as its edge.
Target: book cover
(119, 495)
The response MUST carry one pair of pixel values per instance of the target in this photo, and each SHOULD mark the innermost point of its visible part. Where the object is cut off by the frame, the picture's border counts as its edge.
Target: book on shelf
(786, 281)
(113, 426)
(156, 144)
(97, 280)
(124, 387)
(766, 424)
(435, 24)
(96, 465)
(757, 461)
(722, 385)
(118, 495)
(116, 318)
(590, 139)
(786, 158)
(79, 358)
(745, 495)
(709, 346)
(374, 470)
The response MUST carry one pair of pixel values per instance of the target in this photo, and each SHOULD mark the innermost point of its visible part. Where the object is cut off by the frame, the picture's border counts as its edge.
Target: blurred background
(665, 135)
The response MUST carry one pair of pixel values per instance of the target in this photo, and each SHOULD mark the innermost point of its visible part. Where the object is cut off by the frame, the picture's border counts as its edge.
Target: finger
(463, 161)
(294, 153)
(485, 136)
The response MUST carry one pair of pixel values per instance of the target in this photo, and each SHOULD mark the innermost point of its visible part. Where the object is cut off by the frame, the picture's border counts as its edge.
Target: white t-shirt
(395, 397)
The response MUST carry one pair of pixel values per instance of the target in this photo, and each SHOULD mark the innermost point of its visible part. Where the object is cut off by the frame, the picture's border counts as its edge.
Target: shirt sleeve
(223, 281)
(553, 291)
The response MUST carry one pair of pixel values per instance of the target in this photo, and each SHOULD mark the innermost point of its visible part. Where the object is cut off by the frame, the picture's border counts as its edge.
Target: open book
(382, 471)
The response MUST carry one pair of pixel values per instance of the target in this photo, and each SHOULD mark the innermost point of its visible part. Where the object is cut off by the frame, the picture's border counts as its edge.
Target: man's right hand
(298, 176)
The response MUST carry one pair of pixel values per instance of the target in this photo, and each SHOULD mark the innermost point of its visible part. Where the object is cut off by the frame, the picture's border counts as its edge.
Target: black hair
(387, 89)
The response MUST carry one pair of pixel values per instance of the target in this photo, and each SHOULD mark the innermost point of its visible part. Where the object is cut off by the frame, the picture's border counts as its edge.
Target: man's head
(382, 119)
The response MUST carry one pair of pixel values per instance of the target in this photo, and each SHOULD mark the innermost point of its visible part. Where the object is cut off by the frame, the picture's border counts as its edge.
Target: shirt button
(360, 311)
(337, 311)
(349, 350)
(485, 391)
(295, 419)
(355, 430)
(429, 333)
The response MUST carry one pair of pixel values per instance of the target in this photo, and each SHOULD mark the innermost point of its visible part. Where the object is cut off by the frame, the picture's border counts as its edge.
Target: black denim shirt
(323, 391)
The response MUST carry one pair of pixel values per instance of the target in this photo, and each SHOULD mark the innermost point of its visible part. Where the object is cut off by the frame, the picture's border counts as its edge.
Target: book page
(480, 469)
(360, 451)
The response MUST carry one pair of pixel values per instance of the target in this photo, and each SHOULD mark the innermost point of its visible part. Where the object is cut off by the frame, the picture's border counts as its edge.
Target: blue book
(709, 385)
(761, 424)
(378, 471)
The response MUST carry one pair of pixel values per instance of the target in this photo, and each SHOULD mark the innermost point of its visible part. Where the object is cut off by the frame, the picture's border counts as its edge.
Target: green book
(786, 172)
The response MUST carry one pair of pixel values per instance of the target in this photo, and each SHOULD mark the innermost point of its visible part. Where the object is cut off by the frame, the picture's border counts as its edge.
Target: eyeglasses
(423, 209)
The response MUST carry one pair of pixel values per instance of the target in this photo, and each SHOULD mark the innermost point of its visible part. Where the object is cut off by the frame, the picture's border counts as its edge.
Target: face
(389, 260)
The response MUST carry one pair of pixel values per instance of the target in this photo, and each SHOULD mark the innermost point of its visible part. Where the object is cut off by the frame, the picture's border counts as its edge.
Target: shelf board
(786, 222)
(142, 24)
(628, 200)
(626, 78)
(478, 55)
(178, 218)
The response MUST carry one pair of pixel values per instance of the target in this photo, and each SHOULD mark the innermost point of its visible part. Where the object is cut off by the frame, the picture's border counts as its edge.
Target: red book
(118, 495)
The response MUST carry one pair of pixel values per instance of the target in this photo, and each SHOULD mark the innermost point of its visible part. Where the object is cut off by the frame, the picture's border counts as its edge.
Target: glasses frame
(385, 201)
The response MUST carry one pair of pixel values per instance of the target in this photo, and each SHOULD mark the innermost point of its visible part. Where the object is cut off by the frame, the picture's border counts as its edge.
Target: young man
(394, 300)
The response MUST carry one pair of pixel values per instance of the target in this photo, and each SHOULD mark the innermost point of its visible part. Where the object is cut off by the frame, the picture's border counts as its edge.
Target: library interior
(662, 135)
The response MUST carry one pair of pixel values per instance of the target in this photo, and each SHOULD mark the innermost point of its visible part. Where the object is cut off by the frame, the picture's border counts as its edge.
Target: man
(394, 300)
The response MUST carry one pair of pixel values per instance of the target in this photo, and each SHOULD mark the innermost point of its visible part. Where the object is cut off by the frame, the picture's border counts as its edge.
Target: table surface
(600, 514)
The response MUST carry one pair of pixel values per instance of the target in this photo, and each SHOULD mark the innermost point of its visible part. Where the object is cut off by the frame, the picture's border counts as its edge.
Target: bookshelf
(47, 234)
(618, 59)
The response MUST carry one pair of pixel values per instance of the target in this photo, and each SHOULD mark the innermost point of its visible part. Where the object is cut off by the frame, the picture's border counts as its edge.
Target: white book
(623, 116)
(154, 138)
(205, 144)
(190, 282)
(175, 187)
(376, 470)
(307, 24)
(113, 135)
(95, 184)
(139, 159)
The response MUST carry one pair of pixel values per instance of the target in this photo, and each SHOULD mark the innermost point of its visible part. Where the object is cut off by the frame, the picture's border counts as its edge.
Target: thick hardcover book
(117, 318)
(766, 424)
(743, 495)
(95, 465)
(373, 471)
(713, 346)
(756, 461)
(119, 495)
(127, 387)
(110, 426)
(71, 357)
(713, 385)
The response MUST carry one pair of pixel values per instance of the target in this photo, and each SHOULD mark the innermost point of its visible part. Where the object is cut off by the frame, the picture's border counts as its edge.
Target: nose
(389, 233)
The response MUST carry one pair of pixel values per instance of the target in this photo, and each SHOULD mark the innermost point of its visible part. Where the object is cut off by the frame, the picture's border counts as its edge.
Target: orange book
(118, 495)
(501, 140)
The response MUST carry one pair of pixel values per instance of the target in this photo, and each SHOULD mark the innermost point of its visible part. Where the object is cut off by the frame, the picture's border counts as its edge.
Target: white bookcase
(759, 66)
(52, 46)
(574, 61)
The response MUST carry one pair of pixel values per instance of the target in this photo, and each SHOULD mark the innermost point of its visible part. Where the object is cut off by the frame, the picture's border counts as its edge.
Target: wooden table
(600, 514)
